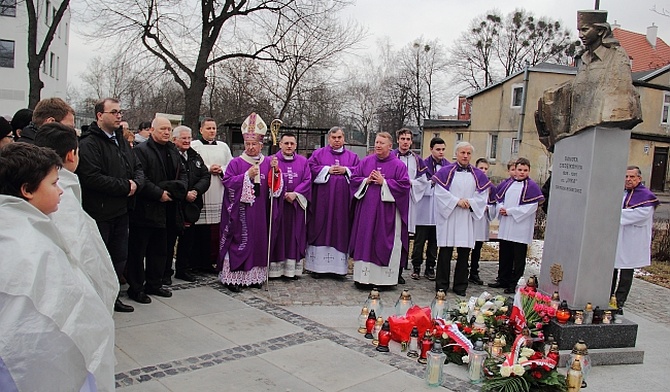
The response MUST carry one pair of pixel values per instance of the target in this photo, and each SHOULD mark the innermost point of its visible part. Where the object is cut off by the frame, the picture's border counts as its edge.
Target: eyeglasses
(115, 112)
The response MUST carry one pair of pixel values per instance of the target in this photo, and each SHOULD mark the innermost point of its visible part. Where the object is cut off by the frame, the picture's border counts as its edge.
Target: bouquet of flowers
(531, 309)
(523, 370)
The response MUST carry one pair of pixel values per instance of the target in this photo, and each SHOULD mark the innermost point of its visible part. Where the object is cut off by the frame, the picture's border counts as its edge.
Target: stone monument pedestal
(582, 229)
(585, 201)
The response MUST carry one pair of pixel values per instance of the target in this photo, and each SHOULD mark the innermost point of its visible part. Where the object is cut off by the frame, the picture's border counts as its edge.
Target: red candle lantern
(426, 345)
(384, 338)
(563, 313)
(370, 324)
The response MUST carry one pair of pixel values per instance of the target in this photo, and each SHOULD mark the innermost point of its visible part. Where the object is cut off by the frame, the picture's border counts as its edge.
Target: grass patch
(657, 273)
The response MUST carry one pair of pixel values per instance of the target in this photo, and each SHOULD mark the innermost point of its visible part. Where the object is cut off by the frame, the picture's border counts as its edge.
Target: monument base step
(609, 356)
(596, 336)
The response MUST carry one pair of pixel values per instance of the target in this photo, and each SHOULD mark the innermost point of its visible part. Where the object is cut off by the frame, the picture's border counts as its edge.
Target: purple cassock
(374, 230)
(290, 232)
(531, 192)
(328, 223)
(640, 196)
(244, 226)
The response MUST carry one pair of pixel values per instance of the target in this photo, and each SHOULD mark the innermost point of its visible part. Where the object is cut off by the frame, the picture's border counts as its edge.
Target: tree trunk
(36, 84)
(193, 101)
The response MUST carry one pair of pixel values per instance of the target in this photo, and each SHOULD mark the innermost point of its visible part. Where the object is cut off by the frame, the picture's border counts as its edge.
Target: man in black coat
(155, 213)
(198, 183)
(110, 177)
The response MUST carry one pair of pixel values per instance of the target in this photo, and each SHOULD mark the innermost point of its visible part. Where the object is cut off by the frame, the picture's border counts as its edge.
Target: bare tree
(188, 43)
(526, 40)
(37, 56)
(493, 49)
(309, 53)
(473, 51)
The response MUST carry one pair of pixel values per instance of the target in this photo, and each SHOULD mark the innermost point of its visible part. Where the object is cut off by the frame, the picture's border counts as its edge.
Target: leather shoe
(166, 281)
(415, 275)
(140, 297)
(256, 285)
(510, 290)
(401, 280)
(460, 292)
(161, 292)
(121, 307)
(186, 276)
(235, 288)
(430, 273)
(497, 285)
(476, 280)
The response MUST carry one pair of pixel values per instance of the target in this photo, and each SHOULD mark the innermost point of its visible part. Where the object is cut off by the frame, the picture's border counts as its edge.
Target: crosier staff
(274, 131)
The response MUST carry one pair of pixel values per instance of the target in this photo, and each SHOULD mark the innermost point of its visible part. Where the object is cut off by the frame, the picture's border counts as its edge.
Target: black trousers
(114, 233)
(443, 272)
(149, 242)
(624, 278)
(512, 262)
(185, 249)
(475, 255)
(205, 246)
(424, 236)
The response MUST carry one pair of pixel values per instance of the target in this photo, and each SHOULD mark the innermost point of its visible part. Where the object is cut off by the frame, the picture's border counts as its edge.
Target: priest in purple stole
(329, 218)
(243, 251)
(633, 248)
(290, 232)
(518, 200)
(379, 236)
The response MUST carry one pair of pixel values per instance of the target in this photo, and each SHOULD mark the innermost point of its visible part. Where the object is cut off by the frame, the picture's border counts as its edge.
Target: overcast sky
(402, 21)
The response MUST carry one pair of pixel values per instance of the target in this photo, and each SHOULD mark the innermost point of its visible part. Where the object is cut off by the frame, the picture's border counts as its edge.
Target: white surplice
(633, 248)
(419, 186)
(218, 154)
(454, 225)
(519, 224)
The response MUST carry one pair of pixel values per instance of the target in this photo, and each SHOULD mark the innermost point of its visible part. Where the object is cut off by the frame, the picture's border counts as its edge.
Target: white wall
(14, 81)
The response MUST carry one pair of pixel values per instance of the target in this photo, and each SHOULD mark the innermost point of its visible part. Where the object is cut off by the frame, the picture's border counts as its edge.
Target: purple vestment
(640, 196)
(289, 232)
(373, 230)
(431, 166)
(421, 168)
(244, 227)
(445, 175)
(531, 192)
(328, 222)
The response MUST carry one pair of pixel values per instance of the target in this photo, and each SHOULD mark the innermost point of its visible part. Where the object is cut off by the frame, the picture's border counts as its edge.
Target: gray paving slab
(173, 344)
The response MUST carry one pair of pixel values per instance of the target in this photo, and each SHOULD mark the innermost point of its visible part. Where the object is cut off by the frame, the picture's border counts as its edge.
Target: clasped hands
(375, 177)
(463, 203)
(253, 170)
(337, 169)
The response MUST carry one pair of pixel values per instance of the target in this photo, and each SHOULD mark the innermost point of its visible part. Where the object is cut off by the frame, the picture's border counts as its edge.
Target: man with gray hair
(155, 213)
(328, 225)
(461, 195)
(633, 248)
(198, 183)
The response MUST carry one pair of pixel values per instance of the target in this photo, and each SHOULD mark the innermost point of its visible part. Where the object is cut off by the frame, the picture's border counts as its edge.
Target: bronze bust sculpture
(602, 92)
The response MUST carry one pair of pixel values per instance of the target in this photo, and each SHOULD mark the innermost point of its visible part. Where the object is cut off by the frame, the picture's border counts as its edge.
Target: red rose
(546, 368)
(537, 355)
(536, 374)
(467, 330)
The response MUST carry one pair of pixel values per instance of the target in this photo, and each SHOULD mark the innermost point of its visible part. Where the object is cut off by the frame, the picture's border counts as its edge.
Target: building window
(66, 33)
(8, 8)
(6, 54)
(666, 108)
(517, 95)
(52, 64)
(492, 147)
(459, 136)
(57, 66)
(47, 13)
(515, 146)
(464, 106)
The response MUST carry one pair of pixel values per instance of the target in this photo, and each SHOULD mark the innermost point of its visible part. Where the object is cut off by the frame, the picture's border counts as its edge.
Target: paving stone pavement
(292, 302)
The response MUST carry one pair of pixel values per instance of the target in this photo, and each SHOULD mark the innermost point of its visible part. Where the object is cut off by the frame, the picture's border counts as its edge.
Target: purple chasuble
(373, 229)
(421, 169)
(445, 175)
(640, 196)
(290, 231)
(244, 227)
(328, 220)
(530, 193)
